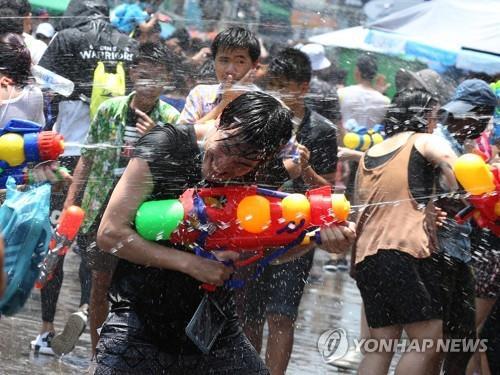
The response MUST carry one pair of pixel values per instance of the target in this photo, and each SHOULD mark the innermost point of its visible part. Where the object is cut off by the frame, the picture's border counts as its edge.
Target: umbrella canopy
(54, 7)
(443, 33)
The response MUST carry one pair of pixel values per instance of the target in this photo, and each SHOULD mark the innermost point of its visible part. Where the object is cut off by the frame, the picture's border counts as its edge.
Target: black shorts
(125, 349)
(399, 289)
(277, 291)
(94, 258)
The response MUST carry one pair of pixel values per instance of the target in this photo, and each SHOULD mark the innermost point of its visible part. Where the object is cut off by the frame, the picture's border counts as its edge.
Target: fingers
(144, 123)
(224, 256)
(219, 273)
(337, 238)
(249, 77)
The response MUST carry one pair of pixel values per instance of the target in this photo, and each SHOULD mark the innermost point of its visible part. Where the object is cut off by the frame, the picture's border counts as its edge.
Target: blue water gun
(23, 142)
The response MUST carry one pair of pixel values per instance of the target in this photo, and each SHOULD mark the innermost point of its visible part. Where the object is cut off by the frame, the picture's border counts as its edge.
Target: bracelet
(30, 179)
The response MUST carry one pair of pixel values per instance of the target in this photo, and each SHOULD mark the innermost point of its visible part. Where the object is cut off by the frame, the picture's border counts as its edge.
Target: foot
(334, 265)
(65, 342)
(43, 343)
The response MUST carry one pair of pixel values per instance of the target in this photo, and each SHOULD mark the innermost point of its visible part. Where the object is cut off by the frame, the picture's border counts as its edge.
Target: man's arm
(80, 177)
(116, 236)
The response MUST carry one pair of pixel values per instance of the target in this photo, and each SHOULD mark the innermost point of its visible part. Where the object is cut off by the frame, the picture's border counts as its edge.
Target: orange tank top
(390, 218)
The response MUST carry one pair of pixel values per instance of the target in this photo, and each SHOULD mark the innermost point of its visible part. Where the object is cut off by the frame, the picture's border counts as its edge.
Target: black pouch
(206, 324)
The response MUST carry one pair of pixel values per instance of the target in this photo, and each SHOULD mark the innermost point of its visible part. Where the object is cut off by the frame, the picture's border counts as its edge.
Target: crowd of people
(150, 118)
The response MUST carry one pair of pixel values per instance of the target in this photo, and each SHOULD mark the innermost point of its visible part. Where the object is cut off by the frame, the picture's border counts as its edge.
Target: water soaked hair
(262, 125)
(16, 59)
(367, 66)
(154, 53)
(10, 22)
(291, 64)
(236, 37)
(409, 111)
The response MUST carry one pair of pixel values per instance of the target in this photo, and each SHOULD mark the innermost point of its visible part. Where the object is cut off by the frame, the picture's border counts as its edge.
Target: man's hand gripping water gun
(23, 142)
(482, 182)
(242, 219)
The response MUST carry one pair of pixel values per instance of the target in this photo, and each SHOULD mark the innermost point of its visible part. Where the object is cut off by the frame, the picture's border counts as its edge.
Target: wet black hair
(154, 53)
(206, 73)
(409, 112)
(183, 37)
(21, 7)
(10, 22)
(16, 58)
(236, 37)
(367, 66)
(262, 125)
(292, 65)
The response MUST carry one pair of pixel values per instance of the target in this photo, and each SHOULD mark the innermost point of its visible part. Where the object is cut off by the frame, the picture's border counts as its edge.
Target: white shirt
(36, 47)
(366, 106)
(26, 106)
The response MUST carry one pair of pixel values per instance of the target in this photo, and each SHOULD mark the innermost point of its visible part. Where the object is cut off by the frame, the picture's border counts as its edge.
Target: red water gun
(66, 231)
(241, 218)
(482, 182)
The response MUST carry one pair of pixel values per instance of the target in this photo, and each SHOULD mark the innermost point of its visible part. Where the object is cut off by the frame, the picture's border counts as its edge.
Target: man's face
(149, 79)
(468, 125)
(232, 62)
(223, 160)
(174, 45)
(290, 92)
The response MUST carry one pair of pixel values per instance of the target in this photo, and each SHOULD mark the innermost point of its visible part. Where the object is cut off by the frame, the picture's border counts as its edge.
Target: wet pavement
(330, 301)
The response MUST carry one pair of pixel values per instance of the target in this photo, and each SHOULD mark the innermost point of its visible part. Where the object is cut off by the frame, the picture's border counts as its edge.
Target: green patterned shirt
(103, 148)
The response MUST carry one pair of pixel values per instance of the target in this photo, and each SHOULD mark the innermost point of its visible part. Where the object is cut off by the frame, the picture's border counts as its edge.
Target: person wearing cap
(322, 96)
(463, 118)
(44, 32)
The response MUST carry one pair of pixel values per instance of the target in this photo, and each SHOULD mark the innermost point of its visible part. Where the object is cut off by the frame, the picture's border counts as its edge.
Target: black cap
(471, 93)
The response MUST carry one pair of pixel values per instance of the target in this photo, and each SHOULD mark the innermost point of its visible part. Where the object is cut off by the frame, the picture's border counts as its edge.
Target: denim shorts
(277, 291)
(124, 348)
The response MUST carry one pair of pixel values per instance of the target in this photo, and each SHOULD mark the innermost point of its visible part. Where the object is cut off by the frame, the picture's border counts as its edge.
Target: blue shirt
(127, 16)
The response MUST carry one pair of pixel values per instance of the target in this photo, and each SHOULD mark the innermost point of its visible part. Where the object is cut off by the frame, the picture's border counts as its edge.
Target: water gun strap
(263, 263)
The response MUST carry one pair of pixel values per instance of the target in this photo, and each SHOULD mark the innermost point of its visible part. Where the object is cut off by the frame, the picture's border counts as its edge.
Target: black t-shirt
(319, 135)
(166, 300)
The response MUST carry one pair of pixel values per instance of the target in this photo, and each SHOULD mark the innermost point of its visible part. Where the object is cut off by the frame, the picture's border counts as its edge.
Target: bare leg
(377, 363)
(483, 309)
(47, 327)
(279, 343)
(365, 330)
(427, 362)
(98, 307)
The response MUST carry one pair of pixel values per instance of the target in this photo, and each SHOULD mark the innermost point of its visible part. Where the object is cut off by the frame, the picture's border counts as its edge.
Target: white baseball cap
(316, 53)
(45, 29)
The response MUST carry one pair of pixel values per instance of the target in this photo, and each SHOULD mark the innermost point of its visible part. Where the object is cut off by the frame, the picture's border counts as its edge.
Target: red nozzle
(50, 145)
(70, 222)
